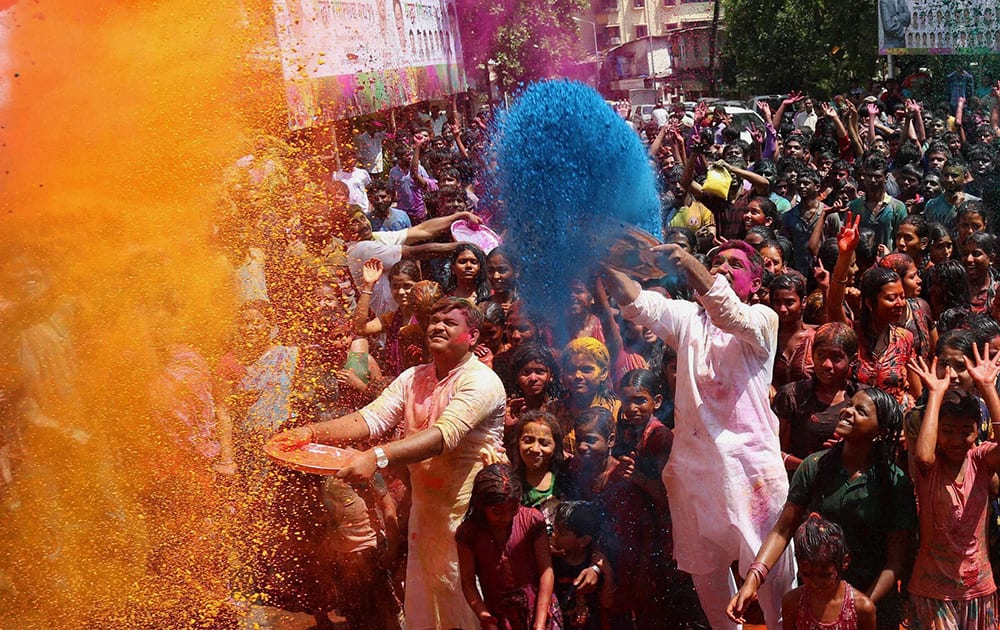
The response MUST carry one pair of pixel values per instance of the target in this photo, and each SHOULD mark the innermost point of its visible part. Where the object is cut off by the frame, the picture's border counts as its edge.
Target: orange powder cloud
(119, 120)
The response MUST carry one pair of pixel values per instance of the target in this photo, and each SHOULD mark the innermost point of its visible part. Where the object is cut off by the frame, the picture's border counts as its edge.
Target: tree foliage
(799, 44)
(526, 40)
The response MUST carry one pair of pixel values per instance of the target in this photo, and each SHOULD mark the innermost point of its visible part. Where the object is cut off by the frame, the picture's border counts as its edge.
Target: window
(641, 30)
(639, 4)
(610, 5)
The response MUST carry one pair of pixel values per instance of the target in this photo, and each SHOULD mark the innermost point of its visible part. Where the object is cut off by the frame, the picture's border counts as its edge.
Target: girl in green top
(538, 439)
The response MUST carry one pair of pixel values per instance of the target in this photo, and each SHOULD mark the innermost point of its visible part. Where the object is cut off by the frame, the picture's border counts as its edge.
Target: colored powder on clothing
(568, 166)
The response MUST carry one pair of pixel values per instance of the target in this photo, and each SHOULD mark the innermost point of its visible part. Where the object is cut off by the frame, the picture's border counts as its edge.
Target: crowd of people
(820, 362)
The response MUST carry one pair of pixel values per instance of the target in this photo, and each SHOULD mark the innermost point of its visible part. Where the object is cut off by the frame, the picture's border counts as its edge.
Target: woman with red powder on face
(884, 346)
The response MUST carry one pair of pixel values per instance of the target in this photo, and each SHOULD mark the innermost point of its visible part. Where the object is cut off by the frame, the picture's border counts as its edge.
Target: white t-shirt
(387, 247)
(357, 182)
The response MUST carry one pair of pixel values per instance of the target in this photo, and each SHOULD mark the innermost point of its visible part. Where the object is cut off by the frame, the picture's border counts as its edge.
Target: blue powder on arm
(568, 166)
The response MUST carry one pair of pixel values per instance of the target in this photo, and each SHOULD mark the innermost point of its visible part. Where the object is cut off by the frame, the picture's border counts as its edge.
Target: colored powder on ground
(568, 166)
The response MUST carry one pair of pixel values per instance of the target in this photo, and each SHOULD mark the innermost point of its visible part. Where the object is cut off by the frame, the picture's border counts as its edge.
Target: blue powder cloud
(568, 166)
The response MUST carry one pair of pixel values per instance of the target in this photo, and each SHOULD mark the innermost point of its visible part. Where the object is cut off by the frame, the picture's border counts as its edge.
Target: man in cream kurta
(725, 479)
(452, 413)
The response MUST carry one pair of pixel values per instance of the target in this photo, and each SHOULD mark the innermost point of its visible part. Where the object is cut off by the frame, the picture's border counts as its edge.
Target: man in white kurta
(452, 413)
(725, 478)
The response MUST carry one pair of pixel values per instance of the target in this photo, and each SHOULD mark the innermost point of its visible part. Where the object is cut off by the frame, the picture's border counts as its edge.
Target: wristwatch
(380, 458)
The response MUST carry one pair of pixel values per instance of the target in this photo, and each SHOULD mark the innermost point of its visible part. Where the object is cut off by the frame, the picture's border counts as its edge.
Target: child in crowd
(952, 583)
(597, 475)
(641, 439)
(504, 546)
(578, 530)
(586, 365)
(824, 601)
(537, 440)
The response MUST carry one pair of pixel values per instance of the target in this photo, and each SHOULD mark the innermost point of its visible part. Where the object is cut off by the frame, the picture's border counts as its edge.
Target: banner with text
(352, 57)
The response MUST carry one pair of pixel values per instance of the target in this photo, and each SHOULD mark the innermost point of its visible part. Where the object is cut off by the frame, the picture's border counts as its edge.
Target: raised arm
(432, 228)
(371, 272)
(418, 143)
(760, 184)
(847, 242)
(831, 113)
(925, 451)
(793, 98)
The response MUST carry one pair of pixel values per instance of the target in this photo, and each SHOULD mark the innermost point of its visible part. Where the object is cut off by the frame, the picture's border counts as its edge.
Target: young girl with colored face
(467, 274)
(537, 439)
(506, 547)
(857, 485)
(586, 365)
(795, 338)
(952, 582)
(532, 381)
(825, 601)
(403, 277)
(502, 276)
(941, 246)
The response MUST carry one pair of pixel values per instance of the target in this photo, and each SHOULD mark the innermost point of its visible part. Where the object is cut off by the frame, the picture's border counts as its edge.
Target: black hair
(483, 290)
(599, 417)
(764, 231)
(972, 206)
(789, 282)
(495, 484)
(984, 327)
(867, 250)
(641, 378)
(920, 225)
(958, 403)
(983, 240)
(525, 354)
(953, 319)
(687, 233)
(907, 153)
(405, 267)
(536, 416)
(768, 207)
(821, 542)
(884, 448)
(807, 174)
(871, 285)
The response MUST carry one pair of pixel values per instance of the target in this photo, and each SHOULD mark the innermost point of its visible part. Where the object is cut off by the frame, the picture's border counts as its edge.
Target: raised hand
(793, 98)
(872, 109)
(828, 110)
(765, 110)
(756, 134)
(850, 234)
(372, 271)
(821, 274)
(929, 374)
(984, 368)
